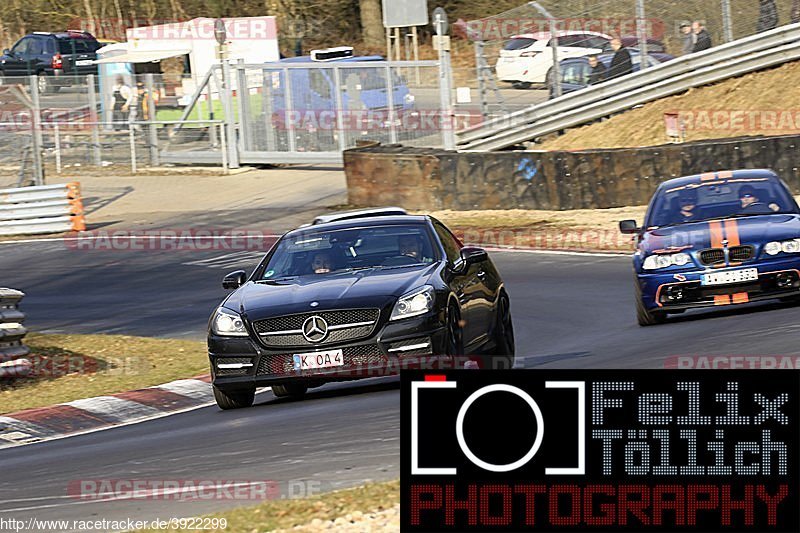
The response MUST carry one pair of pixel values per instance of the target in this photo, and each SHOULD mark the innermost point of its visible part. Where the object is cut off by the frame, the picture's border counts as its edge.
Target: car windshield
(77, 46)
(519, 43)
(695, 202)
(314, 252)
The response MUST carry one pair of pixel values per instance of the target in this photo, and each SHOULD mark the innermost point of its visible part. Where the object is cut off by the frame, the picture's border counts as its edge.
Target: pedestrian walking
(621, 63)
(701, 36)
(687, 37)
(767, 16)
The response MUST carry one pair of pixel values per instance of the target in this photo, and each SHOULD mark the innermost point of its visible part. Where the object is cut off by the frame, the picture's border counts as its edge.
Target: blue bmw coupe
(716, 239)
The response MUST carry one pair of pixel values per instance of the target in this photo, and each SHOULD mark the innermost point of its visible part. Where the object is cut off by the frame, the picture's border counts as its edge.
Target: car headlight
(228, 323)
(654, 262)
(416, 302)
(788, 247)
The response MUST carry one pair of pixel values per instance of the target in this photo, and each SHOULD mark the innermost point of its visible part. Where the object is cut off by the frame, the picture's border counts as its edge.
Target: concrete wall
(438, 179)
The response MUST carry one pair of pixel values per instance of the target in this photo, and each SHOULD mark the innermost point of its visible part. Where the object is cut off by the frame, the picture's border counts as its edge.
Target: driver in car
(411, 247)
(321, 263)
(750, 201)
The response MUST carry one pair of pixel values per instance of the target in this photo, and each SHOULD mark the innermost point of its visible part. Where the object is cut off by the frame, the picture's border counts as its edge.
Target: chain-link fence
(516, 46)
(125, 122)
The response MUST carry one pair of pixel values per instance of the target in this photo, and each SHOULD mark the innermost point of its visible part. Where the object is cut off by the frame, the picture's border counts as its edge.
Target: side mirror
(6, 52)
(469, 256)
(234, 280)
(628, 226)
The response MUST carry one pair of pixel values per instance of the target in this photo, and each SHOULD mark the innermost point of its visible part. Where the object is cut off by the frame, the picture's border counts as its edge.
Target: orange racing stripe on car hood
(716, 234)
(732, 232)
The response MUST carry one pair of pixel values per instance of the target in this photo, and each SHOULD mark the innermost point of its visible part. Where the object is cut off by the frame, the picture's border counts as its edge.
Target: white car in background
(526, 58)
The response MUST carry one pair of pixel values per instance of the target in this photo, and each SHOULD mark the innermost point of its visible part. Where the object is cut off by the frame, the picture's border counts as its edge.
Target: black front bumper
(383, 353)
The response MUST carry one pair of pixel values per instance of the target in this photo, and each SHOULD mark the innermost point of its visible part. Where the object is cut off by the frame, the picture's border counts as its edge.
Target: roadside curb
(102, 412)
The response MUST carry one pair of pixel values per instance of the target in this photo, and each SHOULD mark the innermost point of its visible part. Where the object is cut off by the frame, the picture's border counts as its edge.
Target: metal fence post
(132, 139)
(36, 124)
(230, 119)
(727, 23)
(245, 124)
(266, 109)
(338, 103)
(57, 140)
(445, 89)
(151, 116)
(96, 156)
(223, 145)
(289, 120)
(641, 34)
(390, 94)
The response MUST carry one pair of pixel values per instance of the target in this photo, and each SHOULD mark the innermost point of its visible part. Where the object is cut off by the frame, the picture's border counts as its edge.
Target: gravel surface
(384, 520)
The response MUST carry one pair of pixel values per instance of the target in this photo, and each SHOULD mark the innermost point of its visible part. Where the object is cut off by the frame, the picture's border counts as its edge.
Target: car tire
(44, 84)
(454, 343)
(643, 316)
(290, 390)
(234, 400)
(521, 85)
(504, 334)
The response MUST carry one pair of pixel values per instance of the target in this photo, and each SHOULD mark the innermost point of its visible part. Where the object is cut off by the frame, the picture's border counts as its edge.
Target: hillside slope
(759, 103)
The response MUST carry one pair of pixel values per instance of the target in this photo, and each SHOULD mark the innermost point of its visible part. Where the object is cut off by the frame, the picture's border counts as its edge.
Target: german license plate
(83, 62)
(306, 361)
(730, 276)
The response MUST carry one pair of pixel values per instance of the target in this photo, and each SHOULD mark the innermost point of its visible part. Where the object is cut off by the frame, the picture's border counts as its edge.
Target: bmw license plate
(730, 276)
(305, 361)
(83, 62)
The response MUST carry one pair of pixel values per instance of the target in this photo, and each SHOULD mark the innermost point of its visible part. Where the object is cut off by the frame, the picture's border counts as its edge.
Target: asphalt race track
(570, 311)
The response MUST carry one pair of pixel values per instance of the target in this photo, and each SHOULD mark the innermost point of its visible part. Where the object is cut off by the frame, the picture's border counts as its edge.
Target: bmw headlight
(788, 247)
(416, 302)
(228, 323)
(654, 262)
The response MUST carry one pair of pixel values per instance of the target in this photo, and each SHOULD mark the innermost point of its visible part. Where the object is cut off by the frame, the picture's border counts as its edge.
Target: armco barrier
(12, 332)
(43, 209)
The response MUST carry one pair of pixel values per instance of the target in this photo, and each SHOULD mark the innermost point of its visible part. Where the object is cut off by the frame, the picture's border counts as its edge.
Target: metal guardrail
(738, 57)
(13, 362)
(43, 209)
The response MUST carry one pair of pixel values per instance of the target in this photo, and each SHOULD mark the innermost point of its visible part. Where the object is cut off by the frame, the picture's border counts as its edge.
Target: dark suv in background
(59, 59)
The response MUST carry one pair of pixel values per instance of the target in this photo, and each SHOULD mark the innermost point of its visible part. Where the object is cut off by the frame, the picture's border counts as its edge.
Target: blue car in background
(575, 71)
(363, 88)
(323, 110)
(715, 239)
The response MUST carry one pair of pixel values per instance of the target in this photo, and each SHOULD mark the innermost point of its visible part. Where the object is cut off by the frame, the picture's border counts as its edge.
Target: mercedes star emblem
(315, 329)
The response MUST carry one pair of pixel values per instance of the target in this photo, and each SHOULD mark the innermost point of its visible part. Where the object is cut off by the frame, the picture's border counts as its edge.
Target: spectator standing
(688, 37)
(621, 63)
(767, 16)
(599, 71)
(702, 38)
(121, 101)
(795, 14)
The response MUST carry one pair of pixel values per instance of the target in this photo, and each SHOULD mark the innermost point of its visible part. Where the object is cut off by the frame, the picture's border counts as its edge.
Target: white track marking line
(146, 234)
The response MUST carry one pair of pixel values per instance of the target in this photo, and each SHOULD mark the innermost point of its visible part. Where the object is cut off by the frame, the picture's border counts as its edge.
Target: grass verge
(71, 367)
(286, 514)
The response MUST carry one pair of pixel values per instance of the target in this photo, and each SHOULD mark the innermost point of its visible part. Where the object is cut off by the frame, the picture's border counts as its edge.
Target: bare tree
(371, 22)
